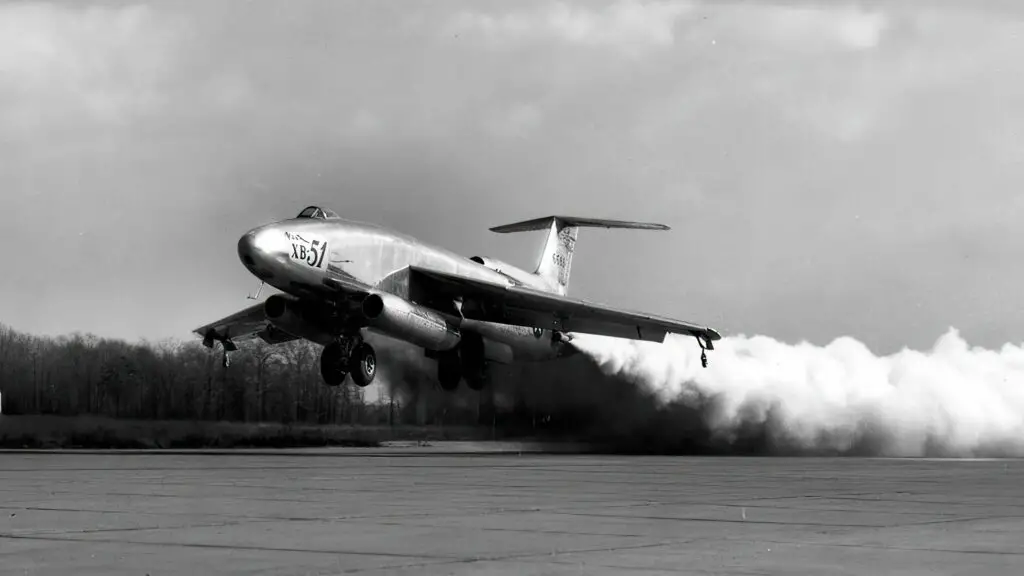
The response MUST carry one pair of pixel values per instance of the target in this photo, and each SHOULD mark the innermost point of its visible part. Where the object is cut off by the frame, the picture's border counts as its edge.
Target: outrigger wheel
(704, 345)
(229, 346)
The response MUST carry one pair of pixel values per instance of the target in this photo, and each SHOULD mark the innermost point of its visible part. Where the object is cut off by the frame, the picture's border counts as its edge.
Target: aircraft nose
(260, 248)
(247, 249)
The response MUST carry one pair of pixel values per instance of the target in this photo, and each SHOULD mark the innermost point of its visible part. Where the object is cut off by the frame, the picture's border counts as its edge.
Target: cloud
(627, 25)
(634, 26)
(103, 64)
(813, 28)
(715, 52)
(840, 73)
(518, 121)
(366, 124)
(808, 137)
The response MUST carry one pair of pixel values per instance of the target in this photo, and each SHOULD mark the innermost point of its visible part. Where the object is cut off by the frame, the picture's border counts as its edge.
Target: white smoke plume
(951, 401)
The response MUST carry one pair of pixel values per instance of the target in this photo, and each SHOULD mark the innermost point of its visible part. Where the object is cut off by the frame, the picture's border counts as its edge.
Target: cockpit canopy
(318, 213)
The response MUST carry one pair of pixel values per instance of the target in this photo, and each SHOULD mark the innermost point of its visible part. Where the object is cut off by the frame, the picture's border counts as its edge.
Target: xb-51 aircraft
(340, 278)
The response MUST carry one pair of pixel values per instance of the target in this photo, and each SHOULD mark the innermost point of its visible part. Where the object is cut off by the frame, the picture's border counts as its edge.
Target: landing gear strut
(349, 354)
(704, 345)
(449, 371)
(475, 369)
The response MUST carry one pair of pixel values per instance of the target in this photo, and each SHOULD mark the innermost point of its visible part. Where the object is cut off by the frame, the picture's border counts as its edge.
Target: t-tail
(556, 257)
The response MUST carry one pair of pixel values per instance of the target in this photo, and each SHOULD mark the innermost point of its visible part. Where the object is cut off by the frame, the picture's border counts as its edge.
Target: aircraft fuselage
(295, 256)
(341, 278)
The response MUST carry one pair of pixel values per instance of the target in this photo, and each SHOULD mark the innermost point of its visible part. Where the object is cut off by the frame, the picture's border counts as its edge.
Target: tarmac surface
(422, 511)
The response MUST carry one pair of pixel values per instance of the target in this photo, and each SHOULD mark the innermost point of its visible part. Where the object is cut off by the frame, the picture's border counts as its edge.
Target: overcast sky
(828, 169)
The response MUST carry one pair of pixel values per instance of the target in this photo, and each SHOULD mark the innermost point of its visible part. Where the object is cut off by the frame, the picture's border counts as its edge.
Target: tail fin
(556, 257)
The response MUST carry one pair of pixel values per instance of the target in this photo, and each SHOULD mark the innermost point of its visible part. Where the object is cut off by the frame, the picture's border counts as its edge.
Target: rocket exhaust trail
(952, 401)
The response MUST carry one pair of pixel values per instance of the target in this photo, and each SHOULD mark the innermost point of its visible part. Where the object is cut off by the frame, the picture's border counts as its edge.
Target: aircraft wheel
(449, 372)
(363, 365)
(332, 365)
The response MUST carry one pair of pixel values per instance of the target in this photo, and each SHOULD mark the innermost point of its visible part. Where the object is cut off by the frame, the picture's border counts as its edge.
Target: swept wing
(492, 302)
(242, 325)
(252, 322)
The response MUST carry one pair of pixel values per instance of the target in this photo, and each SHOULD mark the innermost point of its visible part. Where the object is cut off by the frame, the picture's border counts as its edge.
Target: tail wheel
(363, 365)
(333, 368)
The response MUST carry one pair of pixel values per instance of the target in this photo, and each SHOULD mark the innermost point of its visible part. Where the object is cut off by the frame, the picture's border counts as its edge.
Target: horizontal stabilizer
(545, 223)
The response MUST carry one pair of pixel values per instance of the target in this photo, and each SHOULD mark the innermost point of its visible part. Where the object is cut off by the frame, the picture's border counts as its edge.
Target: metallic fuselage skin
(291, 256)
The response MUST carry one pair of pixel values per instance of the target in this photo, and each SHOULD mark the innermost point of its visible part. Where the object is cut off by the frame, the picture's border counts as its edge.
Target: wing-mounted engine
(419, 325)
(517, 275)
(290, 315)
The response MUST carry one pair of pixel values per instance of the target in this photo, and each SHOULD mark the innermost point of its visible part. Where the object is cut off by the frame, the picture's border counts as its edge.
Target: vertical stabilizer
(556, 256)
(555, 260)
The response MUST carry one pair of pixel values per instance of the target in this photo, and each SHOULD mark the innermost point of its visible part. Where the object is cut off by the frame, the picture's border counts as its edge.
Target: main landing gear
(466, 361)
(348, 355)
(704, 345)
(449, 371)
(453, 367)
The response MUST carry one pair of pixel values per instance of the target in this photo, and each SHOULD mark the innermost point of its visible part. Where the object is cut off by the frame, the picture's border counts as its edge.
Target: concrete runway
(415, 512)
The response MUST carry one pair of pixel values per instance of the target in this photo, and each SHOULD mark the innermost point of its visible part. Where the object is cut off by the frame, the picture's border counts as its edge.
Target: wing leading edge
(243, 325)
(491, 302)
(252, 322)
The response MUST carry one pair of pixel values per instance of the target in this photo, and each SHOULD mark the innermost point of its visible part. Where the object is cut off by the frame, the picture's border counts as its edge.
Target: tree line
(83, 374)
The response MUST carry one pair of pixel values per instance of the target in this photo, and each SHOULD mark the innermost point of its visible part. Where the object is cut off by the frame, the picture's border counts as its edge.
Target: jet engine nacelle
(410, 322)
(517, 274)
(288, 315)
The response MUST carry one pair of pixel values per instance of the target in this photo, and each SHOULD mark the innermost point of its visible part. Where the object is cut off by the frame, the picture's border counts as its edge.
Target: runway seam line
(226, 547)
(526, 555)
(894, 548)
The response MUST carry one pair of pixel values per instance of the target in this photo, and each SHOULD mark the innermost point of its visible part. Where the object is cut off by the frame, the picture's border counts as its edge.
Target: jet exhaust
(951, 401)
